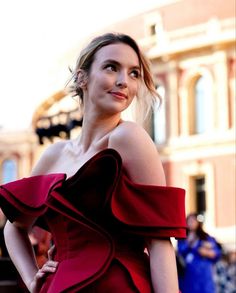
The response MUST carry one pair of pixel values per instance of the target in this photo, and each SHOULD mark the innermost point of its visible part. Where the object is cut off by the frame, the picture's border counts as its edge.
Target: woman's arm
(209, 249)
(143, 165)
(163, 266)
(20, 251)
(23, 257)
(18, 244)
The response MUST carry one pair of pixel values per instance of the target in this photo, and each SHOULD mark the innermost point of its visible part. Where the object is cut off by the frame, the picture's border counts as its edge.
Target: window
(200, 190)
(159, 118)
(153, 30)
(9, 171)
(200, 195)
(201, 112)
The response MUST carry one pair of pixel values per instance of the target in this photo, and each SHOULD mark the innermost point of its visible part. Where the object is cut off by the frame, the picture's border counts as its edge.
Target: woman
(199, 251)
(102, 195)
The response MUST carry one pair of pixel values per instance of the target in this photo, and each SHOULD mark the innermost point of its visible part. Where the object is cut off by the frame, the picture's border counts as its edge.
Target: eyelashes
(134, 73)
(110, 67)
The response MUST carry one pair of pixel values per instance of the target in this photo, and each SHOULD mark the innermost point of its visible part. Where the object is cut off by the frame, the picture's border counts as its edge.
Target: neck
(95, 132)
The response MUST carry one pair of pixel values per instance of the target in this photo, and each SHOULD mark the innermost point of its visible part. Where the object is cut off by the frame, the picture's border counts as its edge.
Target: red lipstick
(119, 95)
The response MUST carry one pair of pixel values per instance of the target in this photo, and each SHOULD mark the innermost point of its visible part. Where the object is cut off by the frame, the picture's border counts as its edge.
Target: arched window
(9, 170)
(159, 118)
(202, 98)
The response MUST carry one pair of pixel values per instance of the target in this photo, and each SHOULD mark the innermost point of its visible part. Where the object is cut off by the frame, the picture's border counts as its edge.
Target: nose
(121, 81)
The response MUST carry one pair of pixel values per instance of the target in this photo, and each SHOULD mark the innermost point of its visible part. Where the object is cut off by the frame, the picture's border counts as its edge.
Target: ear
(82, 78)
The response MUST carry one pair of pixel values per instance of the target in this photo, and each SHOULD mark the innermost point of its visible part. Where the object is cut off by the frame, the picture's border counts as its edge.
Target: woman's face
(113, 80)
(192, 223)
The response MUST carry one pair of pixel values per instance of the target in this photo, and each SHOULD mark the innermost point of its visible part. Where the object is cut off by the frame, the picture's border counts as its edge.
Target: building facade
(191, 46)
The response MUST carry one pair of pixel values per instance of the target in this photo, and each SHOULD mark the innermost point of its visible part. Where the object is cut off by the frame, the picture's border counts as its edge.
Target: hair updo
(147, 94)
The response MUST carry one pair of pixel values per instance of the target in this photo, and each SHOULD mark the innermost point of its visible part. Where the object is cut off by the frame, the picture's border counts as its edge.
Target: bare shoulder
(48, 157)
(129, 136)
(127, 126)
(139, 153)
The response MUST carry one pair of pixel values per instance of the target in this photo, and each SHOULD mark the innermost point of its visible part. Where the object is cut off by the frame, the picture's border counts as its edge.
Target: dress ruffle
(154, 211)
(145, 210)
(28, 196)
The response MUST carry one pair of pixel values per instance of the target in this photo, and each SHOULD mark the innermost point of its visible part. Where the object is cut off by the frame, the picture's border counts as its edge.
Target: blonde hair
(147, 94)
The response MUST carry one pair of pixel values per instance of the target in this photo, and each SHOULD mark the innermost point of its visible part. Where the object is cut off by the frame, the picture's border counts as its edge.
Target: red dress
(99, 219)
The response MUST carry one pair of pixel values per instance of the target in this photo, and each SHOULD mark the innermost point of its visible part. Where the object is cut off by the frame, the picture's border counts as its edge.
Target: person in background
(200, 251)
(225, 271)
(103, 195)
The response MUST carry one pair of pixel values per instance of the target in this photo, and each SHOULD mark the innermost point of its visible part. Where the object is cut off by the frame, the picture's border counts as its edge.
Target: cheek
(108, 81)
(98, 80)
(134, 89)
(193, 224)
(103, 82)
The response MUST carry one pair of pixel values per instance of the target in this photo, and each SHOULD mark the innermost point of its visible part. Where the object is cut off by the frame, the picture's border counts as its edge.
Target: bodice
(95, 216)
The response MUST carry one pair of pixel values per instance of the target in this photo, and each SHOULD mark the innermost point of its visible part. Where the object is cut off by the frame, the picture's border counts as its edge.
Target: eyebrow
(118, 64)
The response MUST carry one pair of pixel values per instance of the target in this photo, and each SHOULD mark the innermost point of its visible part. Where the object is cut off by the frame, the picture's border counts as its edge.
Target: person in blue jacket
(199, 251)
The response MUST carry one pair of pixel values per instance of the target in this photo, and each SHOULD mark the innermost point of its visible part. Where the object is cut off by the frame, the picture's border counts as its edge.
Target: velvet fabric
(99, 220)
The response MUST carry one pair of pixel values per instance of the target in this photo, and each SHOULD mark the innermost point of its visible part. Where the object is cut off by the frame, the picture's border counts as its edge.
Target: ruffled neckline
(106, 151)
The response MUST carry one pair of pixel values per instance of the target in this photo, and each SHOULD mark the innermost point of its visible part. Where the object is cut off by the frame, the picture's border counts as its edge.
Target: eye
(110, 67)
(135, 73)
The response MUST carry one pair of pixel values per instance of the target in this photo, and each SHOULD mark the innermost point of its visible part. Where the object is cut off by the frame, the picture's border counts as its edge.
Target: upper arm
(26, 221)
(47, 159)
(139, 154)
(42, 167)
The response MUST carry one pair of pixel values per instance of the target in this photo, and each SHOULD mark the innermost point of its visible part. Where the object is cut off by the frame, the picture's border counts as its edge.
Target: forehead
(192, 219)
(119, 52)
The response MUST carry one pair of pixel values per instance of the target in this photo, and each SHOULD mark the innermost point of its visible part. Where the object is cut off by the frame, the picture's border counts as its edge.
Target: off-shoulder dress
(99, 220)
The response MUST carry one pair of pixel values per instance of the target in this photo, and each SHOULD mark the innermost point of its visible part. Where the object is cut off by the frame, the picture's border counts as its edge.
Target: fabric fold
(97, 196)
(28, 196)
(155, 211)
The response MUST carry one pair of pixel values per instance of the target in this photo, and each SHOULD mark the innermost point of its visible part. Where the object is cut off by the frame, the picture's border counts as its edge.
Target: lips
(119, 95)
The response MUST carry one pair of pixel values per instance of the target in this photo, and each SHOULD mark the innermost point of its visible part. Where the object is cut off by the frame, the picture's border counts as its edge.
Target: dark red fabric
(28, 195)
(116, 280)
(157, 211)
(95, 217)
